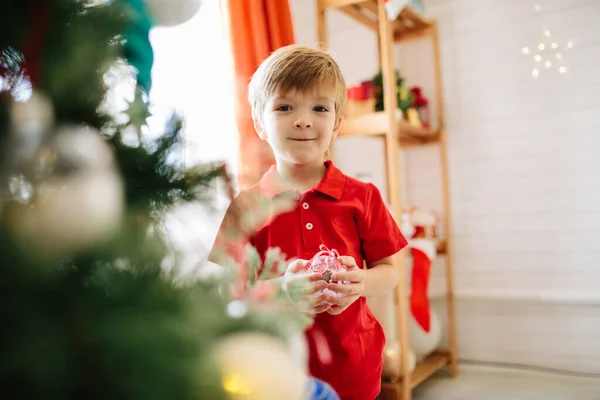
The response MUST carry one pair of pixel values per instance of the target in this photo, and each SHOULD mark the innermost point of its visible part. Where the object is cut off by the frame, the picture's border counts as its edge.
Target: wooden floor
(479, 383)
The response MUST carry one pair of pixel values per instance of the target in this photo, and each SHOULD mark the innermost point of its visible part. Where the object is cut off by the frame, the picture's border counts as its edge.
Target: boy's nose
(303, 123)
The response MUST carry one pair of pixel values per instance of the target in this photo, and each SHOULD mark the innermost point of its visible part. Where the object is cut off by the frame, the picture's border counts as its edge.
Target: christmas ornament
(326, 262)
(320, 390)
(421, 104)
(77, 198)
(391, 360)
(256, 366)
(173, 12)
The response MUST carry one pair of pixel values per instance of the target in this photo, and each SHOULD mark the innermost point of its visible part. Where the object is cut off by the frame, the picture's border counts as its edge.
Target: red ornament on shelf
(421, 104)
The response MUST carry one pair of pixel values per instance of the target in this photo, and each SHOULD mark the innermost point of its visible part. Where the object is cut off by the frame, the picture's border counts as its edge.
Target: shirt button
(305, 206)
(309, 226)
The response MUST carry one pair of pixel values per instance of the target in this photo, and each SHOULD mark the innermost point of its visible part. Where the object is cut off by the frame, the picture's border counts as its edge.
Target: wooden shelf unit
(397, 134)
(377, 124)
(433, 363)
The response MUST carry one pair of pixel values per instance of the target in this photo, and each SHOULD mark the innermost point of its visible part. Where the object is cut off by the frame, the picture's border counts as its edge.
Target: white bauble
(255, 366)
(421, 342)
(391, 360)
(172, 12)
(79, 202)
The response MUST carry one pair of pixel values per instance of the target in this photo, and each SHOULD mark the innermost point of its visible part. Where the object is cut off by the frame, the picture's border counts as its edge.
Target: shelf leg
(386, 41)
(446, 194)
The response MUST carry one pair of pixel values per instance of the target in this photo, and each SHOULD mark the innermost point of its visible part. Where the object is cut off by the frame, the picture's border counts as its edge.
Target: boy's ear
(259, 128)
(337, 127)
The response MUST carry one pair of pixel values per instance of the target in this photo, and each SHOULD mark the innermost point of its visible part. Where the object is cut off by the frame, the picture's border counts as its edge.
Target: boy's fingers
(316, 277)
(343, 289)
(336, 310)
(315, 287)
(319, 300)
(322, 308)
(348, 261)
(348, 276)
(339, 301)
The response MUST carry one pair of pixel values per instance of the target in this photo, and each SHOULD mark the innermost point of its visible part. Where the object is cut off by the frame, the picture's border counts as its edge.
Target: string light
(237, 384)
(546, 52)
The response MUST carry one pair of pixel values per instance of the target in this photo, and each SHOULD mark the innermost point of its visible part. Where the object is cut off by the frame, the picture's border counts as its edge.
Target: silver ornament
(78, 199)
(172, 12)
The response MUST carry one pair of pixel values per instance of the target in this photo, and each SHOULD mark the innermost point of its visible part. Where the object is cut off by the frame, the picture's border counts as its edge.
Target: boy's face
(299, 125)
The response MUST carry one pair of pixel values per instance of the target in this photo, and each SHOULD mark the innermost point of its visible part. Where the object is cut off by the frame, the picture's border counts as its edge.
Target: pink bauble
(326, 262)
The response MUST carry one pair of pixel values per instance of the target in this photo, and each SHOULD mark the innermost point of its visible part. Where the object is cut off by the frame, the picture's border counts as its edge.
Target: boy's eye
(321, 109)
(283, 108)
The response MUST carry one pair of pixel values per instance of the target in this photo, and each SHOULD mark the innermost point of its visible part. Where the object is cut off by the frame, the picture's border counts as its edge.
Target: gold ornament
(255, 366)
(391, 360)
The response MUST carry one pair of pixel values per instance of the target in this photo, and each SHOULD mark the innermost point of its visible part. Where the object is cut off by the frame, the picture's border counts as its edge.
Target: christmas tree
(90, 309)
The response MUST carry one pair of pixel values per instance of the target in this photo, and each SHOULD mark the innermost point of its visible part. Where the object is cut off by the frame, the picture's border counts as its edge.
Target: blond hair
(300, 68)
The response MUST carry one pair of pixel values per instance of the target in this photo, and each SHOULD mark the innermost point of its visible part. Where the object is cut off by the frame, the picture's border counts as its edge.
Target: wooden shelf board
(376, 124)
(403, 36)
(324, 4)
(433, 363)
(428, 367)
(408, 25)
(355, 12)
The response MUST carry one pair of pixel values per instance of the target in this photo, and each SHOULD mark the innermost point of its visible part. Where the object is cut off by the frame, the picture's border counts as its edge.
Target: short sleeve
(378, 231)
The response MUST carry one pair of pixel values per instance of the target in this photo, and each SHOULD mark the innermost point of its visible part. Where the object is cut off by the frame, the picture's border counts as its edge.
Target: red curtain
(256, 28)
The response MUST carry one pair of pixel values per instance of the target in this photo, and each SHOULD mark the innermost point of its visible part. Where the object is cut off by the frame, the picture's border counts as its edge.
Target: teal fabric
(138, 49)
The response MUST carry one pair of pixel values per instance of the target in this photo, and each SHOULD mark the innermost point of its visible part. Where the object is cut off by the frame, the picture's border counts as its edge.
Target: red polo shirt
(350, 216)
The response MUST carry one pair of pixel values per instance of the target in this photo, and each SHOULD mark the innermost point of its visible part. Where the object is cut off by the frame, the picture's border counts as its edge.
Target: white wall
(524, 169)
(192, 73)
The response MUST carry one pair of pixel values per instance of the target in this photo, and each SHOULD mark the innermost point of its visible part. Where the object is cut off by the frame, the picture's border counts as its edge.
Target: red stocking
(419, 300)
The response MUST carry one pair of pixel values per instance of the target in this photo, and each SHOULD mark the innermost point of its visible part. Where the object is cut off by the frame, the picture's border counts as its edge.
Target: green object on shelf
(404, 101)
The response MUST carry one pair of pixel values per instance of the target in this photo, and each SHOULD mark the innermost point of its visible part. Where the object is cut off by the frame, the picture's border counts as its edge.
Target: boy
(298, 96)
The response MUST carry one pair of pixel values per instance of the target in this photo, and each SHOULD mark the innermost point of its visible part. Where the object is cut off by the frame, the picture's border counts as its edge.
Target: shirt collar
(331, 185)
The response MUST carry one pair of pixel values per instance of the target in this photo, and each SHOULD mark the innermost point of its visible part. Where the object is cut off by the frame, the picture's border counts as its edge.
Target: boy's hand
(319, 302)
(350, 292)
